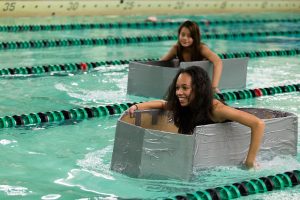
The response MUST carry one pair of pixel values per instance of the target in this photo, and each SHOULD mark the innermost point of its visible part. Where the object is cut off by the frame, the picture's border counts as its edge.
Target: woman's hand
(132, 109)
(216, 90)
(251, 164)
(155, 104)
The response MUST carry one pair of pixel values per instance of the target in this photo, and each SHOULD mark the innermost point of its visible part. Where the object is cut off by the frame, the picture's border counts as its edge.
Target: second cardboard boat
(152, 78)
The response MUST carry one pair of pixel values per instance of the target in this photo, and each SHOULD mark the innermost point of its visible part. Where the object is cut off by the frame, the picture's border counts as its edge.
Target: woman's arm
(171, 54)
(156, 104)
(217, 64)
(222, 112)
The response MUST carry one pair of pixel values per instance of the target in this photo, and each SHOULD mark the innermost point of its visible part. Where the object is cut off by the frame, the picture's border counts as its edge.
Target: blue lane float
(152, 78)
(148, 146)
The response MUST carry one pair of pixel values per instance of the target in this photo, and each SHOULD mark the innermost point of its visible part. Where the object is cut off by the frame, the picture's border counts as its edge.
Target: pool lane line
(88, 66)
(63, 115)
(116, 109)
(256, 92)
(133, 40)
(248, 187)
(82, 26)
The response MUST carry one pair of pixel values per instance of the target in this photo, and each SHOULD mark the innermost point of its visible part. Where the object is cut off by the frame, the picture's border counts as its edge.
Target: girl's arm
(156, 104)
(171, 54)
(222, 112)
(217, 64)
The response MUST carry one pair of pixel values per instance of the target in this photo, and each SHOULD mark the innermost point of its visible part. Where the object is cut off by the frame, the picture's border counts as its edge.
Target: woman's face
(184, 89)
(185, 38)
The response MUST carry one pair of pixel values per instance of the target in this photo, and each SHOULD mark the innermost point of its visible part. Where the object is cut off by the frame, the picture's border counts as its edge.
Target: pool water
(71, 159)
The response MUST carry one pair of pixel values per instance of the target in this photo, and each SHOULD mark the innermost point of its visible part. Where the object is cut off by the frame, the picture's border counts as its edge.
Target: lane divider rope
(133, 40)
(203, 22)
(93, 112)
(63, 115)
(86, 66)
(254, 186)
(257, 92)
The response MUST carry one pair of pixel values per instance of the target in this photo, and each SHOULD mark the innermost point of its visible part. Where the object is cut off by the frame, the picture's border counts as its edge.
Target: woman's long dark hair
(195, 34)
(199, 109)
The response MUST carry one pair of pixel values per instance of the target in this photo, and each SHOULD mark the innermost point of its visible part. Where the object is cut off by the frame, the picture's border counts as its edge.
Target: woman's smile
(184, 90)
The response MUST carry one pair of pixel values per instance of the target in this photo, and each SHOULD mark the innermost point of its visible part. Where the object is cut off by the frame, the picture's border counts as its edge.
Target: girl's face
(184, 89)
(185, 38)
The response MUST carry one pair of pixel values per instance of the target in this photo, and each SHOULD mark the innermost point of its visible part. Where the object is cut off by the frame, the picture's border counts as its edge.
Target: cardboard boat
(148, 145)
(152, 78)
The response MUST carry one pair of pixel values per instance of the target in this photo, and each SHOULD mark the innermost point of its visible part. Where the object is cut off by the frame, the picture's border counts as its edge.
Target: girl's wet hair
(199, 109)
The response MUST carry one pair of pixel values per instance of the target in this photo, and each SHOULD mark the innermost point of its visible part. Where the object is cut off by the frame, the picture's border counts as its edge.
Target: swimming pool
(71, 159)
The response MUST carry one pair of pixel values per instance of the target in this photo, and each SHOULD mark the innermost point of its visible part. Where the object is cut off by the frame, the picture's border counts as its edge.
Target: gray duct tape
(152, 79)
(157, 151)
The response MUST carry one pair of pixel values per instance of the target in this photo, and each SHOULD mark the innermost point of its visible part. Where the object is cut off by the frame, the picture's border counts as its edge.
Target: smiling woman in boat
(190, 99)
